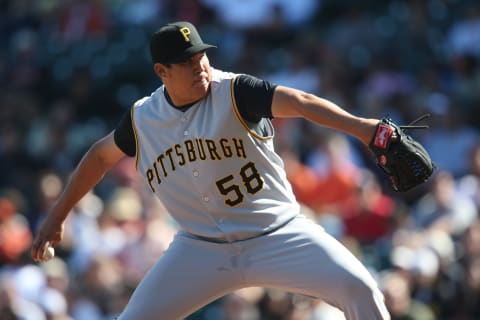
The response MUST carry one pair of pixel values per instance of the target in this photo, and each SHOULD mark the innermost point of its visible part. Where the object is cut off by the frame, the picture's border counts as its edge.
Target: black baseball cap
(176, 42)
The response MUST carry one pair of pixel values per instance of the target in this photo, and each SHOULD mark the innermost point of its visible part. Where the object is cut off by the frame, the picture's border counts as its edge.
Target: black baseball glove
(402, 158)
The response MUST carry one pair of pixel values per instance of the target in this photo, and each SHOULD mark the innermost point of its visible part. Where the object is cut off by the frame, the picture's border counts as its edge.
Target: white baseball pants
(299, 257)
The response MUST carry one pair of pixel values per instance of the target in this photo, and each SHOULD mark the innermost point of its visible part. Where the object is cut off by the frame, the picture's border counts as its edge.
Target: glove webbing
(412, 126)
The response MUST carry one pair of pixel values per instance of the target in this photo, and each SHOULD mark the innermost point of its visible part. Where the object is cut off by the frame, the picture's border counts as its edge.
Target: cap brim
(190, 52)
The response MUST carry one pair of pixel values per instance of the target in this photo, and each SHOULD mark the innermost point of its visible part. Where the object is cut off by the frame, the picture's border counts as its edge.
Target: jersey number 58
(251, 180)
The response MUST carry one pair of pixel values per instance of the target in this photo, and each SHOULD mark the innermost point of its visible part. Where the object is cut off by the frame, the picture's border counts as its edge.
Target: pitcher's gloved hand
(401, 157)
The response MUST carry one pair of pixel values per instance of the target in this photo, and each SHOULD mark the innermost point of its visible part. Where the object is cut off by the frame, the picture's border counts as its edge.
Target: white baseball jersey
(216, 176)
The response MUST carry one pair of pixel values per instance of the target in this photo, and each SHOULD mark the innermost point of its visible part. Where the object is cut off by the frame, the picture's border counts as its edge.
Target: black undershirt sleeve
(253, 98)
(124, 136)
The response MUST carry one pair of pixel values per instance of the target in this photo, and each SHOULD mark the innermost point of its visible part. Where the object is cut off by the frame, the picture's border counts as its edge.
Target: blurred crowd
(70, 69)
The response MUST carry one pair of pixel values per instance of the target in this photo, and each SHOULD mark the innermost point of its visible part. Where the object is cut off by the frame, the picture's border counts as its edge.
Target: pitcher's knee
(145, 313)
(357, 288)
(364, 300)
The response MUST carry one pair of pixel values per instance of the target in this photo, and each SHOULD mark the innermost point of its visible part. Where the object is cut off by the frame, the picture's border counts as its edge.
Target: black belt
(216, 240)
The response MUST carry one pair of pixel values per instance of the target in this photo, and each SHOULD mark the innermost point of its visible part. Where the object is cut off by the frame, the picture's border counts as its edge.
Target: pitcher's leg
(303, 258)
(189, 275)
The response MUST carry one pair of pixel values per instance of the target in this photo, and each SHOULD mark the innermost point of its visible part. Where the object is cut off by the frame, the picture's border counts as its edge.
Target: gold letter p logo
(185, 33)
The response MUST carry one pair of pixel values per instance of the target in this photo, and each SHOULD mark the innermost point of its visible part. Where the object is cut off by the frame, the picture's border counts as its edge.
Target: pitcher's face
(188, 81)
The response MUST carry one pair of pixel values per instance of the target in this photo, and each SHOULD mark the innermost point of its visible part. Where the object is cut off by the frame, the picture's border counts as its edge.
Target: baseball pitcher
(203, 142)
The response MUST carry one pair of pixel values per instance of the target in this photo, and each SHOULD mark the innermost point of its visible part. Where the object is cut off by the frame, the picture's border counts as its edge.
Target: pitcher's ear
(160, 70)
